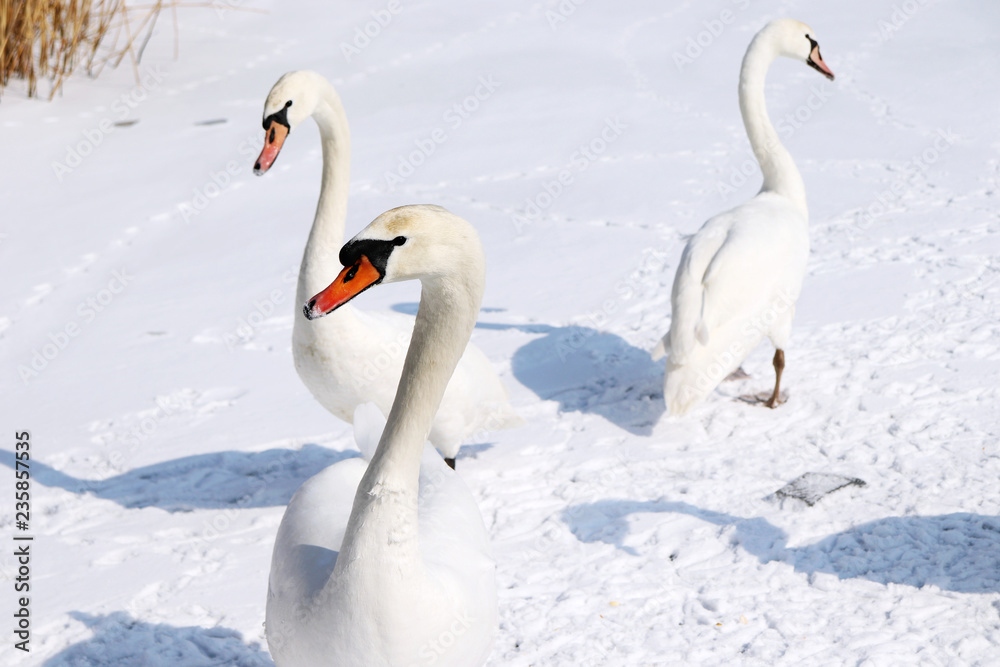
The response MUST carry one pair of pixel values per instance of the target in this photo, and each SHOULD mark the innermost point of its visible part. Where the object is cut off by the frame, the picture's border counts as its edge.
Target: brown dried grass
(49, 39)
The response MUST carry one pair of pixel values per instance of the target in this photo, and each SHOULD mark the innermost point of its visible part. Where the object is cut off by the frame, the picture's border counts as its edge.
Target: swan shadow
(595, 372)
(410, 308)
(958, 552)
(204, 481)
(473, 450)
(588, 371)
(120, 639)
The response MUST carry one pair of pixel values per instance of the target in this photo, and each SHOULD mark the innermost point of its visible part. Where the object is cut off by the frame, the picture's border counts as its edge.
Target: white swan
(354, 357)
(740, 275)
(407, 579)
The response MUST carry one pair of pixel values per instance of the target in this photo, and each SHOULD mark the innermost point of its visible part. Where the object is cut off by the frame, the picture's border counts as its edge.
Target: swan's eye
(289, 102)
(353, 272)
(399, 240)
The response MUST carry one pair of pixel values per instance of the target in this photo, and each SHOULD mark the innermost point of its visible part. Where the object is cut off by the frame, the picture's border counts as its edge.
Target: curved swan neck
(384, 518)
(327, 233)
(443, 326)
(780, 173)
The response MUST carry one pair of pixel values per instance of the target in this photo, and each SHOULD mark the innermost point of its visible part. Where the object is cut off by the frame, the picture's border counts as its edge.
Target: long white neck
(780, 173)
(383, 523)
(320, 262)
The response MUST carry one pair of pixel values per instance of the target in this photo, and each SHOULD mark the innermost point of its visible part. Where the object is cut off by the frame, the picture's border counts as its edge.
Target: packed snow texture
(147, 302)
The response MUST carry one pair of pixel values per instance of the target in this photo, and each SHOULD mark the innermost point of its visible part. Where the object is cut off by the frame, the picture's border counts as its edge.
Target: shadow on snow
(586, 370)
(203, 481)
(120, 639)
(596, 372)
(958, 552)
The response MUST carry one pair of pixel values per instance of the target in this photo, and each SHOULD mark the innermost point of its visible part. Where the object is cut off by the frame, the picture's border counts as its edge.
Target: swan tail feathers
(369, 422)
(494, 416)
(682, 390)
(690, 379)
(509, 417)
(661, 349)
(701, 333)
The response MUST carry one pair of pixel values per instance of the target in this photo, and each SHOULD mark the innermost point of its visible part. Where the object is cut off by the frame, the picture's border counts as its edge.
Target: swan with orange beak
(377, 558)
(741, 274)
(364, 263)
(354, 357)
(276, 129)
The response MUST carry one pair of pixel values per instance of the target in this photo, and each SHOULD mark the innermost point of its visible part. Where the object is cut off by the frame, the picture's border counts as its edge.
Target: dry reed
(49, 39)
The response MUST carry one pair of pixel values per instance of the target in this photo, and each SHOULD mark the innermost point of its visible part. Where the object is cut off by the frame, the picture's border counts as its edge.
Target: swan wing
(450, 520)
(733, 266)
(310, 535)
(764, 252)
(455, 548)
(312, 529)
(688, 294)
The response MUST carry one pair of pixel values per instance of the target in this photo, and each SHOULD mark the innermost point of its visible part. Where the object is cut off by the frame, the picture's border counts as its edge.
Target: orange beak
(352, 281)
(274, 138)
(815, 61)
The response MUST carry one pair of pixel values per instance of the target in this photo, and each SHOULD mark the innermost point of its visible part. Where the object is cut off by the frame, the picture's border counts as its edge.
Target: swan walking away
(740, 275)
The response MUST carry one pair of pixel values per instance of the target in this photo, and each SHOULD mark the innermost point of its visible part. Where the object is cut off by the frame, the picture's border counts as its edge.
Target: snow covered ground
(145, 324)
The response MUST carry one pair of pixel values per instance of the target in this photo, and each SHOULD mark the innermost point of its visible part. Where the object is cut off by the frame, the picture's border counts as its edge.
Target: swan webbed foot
(450, 462)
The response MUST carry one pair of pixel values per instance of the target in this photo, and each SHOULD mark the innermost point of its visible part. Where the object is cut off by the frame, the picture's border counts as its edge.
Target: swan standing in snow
(406, 578)
(741, 273)
(353, 357)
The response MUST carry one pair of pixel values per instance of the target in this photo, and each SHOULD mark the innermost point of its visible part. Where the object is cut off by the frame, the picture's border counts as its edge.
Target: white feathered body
(741, 273)
(380, 610)
(738, 281)
(353, 357)
(350, 357)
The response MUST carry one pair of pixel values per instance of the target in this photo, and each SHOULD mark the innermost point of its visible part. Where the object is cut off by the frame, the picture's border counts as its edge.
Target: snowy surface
(171, 430)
